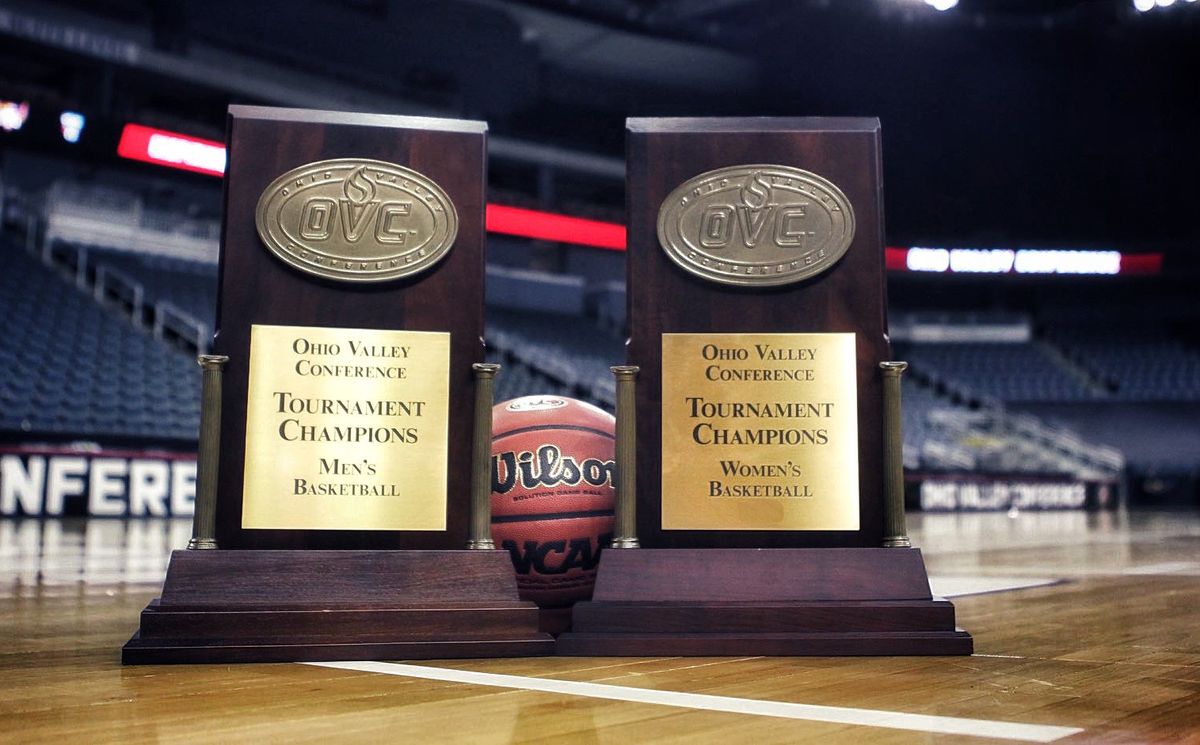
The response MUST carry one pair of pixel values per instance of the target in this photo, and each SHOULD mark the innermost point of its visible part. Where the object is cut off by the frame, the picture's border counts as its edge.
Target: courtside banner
(54, 481)
(1000, 492)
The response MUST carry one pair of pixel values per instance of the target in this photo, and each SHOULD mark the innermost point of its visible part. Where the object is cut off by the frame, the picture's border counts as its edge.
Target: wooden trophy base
(297, 606)
(554, 621)
(719, 602)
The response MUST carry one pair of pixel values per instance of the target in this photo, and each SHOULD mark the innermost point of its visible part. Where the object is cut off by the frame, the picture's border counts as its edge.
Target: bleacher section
(76, 371)
(1135, 362)
(572, 352)
(521, 289)
(1160, 440)
(119, 220)
(1120, 378)
(521, 379)
(175, 298)
(921, 447)
(190, 286)
(1002, 371)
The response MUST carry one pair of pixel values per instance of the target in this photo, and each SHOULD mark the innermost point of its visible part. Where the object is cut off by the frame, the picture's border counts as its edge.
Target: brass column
(895, 535)
(625, 534)
(481, 456)
(204, 518)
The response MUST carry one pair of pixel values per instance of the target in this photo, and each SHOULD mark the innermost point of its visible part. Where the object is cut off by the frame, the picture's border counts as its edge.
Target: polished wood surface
(663, 298)
(1114, 650)
(255, 287)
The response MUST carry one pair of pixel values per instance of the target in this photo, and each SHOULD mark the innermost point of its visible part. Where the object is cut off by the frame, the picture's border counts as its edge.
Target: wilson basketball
(552, 493)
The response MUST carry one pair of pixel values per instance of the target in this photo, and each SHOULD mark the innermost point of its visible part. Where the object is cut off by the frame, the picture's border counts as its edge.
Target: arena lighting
(548, 226)
(1164, 3)
(1021, 261)
(172, 149)
(941, 4)
(1143, 5)
(13, 115)
(982, 260)
(71, 124)
(927, 259)
(1068, 262)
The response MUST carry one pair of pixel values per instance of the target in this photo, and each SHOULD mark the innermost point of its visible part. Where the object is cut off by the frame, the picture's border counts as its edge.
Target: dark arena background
(1043, 260)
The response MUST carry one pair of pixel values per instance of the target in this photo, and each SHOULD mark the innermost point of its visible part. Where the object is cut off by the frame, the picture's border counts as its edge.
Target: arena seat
(1137, 362)
(521, 289)
(959, 416)
(518, 378)
(120, 219)
(79, 371)
(190, 286)
(1006, 372)
(570, 352)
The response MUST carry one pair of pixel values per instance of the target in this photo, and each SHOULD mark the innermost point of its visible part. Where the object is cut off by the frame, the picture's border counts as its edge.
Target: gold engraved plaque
(758, 225)
(759, 432)
(356, 220)
(346, 429)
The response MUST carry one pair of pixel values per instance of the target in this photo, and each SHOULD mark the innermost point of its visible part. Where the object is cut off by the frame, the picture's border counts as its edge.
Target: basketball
(552, 494)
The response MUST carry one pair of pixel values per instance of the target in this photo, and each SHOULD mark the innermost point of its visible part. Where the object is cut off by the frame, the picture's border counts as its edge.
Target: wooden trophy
(769, 512)
(343, 490)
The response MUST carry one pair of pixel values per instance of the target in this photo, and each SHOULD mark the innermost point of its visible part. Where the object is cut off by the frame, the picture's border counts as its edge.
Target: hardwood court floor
(1110, 655)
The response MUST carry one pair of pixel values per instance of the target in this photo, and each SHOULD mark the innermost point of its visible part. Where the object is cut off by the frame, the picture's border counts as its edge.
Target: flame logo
(359, 189)
(756, 192)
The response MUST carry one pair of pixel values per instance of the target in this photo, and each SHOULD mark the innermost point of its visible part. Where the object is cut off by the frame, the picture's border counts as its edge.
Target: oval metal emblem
(758, 225)
(357, 220)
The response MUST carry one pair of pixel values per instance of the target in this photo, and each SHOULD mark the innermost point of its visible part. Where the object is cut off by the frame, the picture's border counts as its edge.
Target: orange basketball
(552, 493)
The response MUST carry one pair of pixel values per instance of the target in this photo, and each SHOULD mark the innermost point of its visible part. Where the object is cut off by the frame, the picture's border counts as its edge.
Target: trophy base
(306, 606)
(554, 621)
(773, 602)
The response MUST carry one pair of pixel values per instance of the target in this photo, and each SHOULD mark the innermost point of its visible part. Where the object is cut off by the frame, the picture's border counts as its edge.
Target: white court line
(956, 586)
(706, 702)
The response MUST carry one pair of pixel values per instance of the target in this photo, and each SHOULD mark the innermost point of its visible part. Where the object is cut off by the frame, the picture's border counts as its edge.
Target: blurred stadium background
(1039, 159)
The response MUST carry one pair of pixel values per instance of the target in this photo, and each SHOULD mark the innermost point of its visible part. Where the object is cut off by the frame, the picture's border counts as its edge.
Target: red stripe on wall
(549, 226)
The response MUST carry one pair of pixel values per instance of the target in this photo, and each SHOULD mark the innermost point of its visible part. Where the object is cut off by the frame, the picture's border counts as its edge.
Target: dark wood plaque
(257, 287)
(796, 576)
(849, 296)
(407, 196)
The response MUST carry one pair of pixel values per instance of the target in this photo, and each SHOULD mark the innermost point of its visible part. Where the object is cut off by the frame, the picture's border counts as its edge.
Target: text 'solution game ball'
(552, 493)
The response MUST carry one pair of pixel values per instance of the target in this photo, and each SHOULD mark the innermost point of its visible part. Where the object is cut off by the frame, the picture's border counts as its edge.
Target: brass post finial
(895, 534)
(481, 454)
(625, 533)
(204, 518)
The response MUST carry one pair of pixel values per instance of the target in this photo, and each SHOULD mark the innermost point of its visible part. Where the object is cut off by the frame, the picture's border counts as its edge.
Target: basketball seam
(551, 516)
(542, 427)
